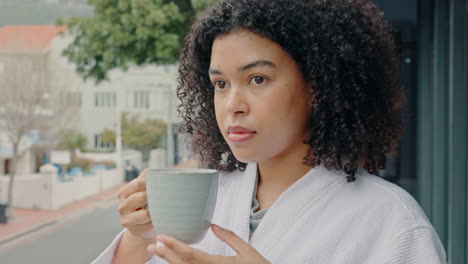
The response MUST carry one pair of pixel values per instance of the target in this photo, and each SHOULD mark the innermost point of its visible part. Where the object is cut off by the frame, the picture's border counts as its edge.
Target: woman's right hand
(133, 210)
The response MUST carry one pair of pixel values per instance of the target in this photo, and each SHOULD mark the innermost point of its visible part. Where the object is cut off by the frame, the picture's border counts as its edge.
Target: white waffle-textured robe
(321, 218)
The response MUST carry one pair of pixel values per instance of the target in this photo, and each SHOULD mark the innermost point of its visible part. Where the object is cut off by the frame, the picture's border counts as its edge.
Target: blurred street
(74, 240)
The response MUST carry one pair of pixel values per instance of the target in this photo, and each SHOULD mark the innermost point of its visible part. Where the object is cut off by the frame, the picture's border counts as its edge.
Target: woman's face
(261, 100)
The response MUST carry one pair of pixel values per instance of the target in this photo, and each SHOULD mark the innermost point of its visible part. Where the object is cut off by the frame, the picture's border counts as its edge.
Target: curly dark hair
(344, 48)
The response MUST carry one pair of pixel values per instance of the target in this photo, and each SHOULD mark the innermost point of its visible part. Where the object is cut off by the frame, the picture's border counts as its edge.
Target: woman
(296, 103)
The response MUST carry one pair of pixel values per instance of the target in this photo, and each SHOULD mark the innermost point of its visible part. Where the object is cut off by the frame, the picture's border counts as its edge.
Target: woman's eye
(220, 85)
(258, 80)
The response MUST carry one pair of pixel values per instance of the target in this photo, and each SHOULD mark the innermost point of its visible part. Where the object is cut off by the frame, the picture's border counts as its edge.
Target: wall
(135, 157)
(46, 191)
(399, 10)
(443, 122)
(157, 159)
(27, 163)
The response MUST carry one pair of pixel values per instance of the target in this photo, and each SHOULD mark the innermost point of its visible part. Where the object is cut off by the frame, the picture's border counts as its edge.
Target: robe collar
(294, 201)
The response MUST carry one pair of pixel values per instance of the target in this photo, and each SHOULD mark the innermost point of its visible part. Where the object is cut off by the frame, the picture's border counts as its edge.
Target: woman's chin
(245, 158)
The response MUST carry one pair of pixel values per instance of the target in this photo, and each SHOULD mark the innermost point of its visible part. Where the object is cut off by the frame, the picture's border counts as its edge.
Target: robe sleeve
(107, 255)
(418, 245)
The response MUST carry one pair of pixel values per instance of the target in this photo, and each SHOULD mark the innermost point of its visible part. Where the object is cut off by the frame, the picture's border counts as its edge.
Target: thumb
(143, 174)
(230, 238)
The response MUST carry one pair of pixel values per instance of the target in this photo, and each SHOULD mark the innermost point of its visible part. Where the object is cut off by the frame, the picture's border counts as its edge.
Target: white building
(147, 91)
(23, 57)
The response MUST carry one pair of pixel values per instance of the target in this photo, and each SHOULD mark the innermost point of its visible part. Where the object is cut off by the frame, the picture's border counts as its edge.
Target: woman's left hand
(176, 252)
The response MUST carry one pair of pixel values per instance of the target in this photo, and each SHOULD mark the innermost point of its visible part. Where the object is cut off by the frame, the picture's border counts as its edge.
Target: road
(76, 240)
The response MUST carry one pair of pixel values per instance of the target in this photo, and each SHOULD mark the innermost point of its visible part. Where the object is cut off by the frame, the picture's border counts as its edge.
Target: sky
(39, 12)
(29, 12)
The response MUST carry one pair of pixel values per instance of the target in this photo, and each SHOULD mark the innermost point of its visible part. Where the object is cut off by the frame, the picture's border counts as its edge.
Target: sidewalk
(24, 221)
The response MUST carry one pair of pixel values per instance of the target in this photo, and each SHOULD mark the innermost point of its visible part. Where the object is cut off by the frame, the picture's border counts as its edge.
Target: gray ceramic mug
(181, 202)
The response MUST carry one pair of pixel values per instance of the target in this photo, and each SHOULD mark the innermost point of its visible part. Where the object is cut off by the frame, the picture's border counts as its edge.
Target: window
(99, 144)
(141, 99)
(105, 99)
(7, 167)
(73, 99)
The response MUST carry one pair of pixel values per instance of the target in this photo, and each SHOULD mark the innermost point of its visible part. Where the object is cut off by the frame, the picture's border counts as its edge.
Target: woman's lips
(240, 136)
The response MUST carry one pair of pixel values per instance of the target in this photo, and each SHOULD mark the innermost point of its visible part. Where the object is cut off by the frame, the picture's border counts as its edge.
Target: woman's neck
(281, 174)
(276, 175)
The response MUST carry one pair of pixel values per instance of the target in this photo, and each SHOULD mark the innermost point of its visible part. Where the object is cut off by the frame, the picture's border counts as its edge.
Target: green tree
(139, 135)
(72, 140)
(108, 135)
(122, 33)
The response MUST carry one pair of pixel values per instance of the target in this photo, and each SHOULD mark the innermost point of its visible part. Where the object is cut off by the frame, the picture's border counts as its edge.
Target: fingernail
(216, 227)
(160, 244)
(151, 249)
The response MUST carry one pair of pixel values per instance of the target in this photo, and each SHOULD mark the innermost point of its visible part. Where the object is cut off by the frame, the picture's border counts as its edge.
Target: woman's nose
(236, 102)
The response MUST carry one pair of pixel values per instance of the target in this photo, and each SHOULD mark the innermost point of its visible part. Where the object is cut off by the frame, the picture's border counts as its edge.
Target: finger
(134, 202)
(143, 174)
(136, 218)
(165, 253)
(235, 242)
(135, 185)
(185, 252)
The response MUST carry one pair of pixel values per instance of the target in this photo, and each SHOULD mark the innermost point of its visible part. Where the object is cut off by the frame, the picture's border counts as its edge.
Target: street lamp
(170, 134)
(118, 132)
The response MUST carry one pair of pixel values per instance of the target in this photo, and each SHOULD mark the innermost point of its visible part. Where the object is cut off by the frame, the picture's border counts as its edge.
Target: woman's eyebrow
(258, 63)
(214, 72)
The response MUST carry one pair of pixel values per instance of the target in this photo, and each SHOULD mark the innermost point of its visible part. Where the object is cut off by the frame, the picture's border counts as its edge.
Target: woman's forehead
(242, 47)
